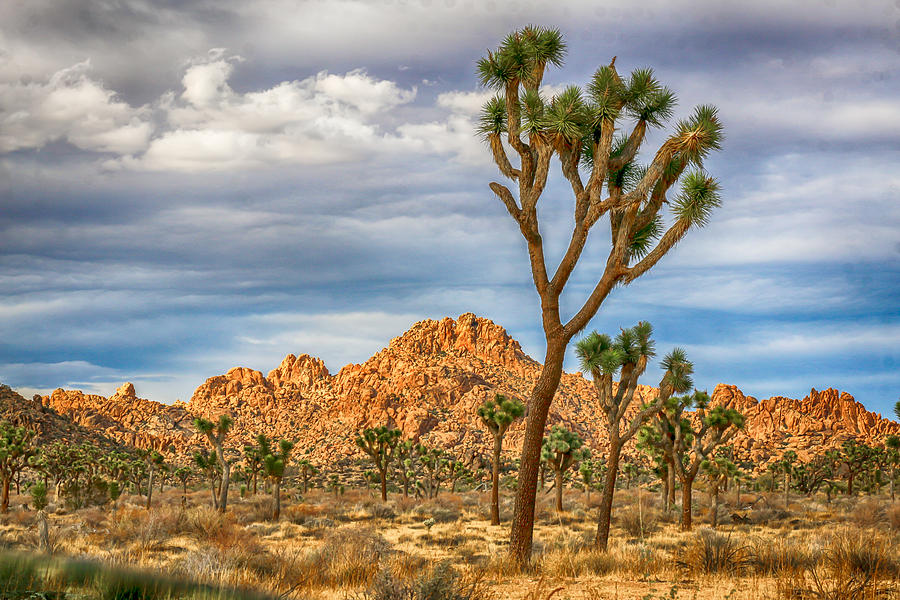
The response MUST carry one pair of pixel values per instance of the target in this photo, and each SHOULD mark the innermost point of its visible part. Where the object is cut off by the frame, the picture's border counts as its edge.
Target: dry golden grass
(355, 546)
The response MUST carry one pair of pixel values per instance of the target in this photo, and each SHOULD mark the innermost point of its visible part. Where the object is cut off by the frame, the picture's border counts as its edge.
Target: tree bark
(226, 475)
(686, 493)
(150, 490)
(495, 481)
(559, 490)
(522, 530)
(255, 474)
(277, 492)
(715, 506)
(670, 503)
(606, 499)
(383, 473)
(787, 487)
(4, 503)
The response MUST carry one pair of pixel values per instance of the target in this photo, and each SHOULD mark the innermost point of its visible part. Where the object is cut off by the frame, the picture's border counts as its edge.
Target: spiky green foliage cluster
(563, 448)
(498, 414)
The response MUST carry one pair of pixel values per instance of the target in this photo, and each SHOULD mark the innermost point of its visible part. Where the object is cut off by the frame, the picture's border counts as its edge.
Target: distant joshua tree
(274, 462)
(497, 415)
(16, 448)
(380, 444)
(561, 450)
(718, 470)
(216, 434)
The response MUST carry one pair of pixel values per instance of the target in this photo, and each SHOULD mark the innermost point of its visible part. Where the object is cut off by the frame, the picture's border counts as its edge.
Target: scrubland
(354, 546)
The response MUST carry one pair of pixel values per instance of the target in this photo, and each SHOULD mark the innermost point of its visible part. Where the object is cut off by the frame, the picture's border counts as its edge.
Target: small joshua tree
(691, 444)
(216, 434)
(406, 471)
(274, 462)
(210, 467)
(253, 462)
(718, 470)
(38, 492)
(561, 450)
(183, 474)
(307, 470)
(497, 415)
(785, 467)
(380, 444)
(856, 457)
(16, 449)
(154, 462)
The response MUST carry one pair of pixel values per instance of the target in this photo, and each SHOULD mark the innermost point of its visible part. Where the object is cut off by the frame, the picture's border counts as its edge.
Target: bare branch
(500, 157)
(506, 196)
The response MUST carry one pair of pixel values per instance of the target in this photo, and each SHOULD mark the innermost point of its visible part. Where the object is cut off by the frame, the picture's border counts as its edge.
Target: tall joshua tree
(274, 462)
(561, 450)
(216, 434)
(577, 126)
(627, 355)
(498, 414)
(380, 443)
(16, 448)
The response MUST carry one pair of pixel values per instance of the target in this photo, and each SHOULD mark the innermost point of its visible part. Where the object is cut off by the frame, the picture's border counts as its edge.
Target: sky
(188, 186)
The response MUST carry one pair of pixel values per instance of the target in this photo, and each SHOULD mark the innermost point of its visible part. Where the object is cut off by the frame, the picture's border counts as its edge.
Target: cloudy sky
(190, 186)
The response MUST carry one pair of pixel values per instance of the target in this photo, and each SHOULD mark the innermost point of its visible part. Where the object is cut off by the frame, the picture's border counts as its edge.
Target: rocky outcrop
(128, 419)
(820, 421)
(45, 422)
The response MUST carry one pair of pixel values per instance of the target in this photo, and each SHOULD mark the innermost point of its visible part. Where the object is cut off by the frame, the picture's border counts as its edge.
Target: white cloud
(70, 105)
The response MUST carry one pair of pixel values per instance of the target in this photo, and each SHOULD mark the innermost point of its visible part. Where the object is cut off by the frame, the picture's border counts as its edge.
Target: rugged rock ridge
(49, 426)
(429, 382)
(823, 419)
(127, 419)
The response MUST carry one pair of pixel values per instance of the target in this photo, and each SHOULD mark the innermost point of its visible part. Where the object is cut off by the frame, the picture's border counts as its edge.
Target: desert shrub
(440, 513)
(893, 514)
(442, 582)
(347, 557)
(255, 510)
(771, 557)
(713, 553)
(380, 511)
(563, 562)
(868, 513)
(639, 524)
(852, 565)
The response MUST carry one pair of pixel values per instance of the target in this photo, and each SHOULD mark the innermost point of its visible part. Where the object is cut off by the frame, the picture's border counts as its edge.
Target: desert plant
(691, 442)
(216, 433)
(856, 457)
(307, 471)
(211, 468)
(274, 462)
(718, 470)
(562, 449)
(627, 355)
(578, 126)
(892, 459)
(380, 443)
(497, 415)
(714, 553)
(16, 449)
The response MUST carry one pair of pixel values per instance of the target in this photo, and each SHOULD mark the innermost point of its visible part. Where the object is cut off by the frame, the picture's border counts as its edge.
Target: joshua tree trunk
(226, 475)
(850, 484)
(559, 490)
(150, 490)
(522, 532)
(892, 484)
(277, 493)
(43, 532)
(606, 499)
(4, 503)
(715, 506)
(670, 501)
(737, 494)
(495, 481)
(215, 493)
(686, 493)
(255, 474)
(383, 473)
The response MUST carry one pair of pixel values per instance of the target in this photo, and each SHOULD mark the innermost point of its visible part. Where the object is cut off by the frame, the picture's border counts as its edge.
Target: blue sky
(191, 186)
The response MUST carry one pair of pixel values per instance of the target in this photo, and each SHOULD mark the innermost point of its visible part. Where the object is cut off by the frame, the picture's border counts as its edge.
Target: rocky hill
(47, 423)
(428, 383)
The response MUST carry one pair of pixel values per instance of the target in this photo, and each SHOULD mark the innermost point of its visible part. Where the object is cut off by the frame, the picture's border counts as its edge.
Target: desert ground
(353, 545)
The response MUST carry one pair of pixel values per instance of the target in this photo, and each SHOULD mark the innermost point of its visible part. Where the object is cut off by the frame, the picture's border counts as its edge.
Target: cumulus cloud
(72, 106)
